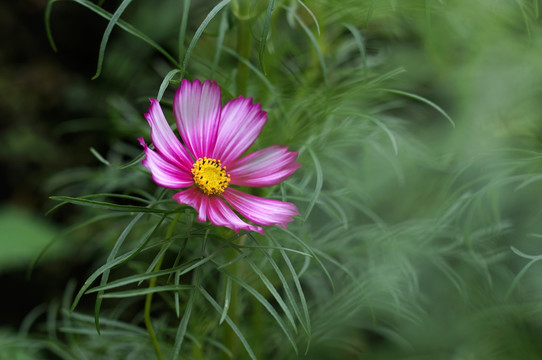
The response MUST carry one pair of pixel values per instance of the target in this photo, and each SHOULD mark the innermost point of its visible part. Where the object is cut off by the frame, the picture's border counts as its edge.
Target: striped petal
(259, 210)
(221, 215)
(265, 167)
(163, 172)
(164, 139)
(241, 122)
(197, 112)
(214, 208)
(195, 198)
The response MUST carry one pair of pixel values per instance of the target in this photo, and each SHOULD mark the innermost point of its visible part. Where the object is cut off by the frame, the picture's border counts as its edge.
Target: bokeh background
(419, 128)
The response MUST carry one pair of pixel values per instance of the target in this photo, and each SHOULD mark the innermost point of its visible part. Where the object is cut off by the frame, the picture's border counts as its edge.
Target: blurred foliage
(23, 235)
(418, 237)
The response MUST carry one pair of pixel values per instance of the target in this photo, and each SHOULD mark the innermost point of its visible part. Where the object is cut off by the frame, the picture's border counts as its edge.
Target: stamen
(210, 176)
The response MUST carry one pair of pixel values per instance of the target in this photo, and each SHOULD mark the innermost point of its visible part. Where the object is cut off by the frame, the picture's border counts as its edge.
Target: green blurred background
(423, 217)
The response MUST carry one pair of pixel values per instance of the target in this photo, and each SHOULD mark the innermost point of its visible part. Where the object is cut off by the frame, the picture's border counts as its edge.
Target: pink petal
(163, 172)
(221, 215)
(214, 208)
(241, 122)
(197, 112)
(164, 139)
(195, 198)
(265, 167)
(259, 210)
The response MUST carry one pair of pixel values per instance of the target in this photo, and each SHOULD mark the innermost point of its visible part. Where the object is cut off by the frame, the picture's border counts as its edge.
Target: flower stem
(182, 30)
(229, 338)
(243, 48)
(148, 302)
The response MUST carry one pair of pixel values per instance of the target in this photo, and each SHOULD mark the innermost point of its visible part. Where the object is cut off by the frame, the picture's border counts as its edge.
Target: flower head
(209, 159)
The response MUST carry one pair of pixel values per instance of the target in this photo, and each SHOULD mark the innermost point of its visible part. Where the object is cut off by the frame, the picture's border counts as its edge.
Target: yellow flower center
(210, 176)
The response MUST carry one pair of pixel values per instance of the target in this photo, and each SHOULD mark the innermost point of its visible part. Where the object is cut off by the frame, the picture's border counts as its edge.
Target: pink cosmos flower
(208, 160)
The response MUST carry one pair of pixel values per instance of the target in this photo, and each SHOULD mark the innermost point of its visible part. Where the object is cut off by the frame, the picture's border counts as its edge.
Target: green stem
(148, 302)
(182, 30)
(243, 50)
(229, 338)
